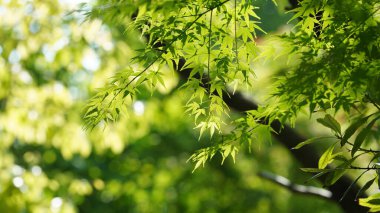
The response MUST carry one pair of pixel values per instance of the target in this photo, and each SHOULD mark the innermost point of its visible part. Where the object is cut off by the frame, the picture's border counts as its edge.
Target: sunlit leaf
(326, 158)
(372, 202)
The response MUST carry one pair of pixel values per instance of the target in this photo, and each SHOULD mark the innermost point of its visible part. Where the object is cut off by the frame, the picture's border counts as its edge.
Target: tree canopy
(103, 103)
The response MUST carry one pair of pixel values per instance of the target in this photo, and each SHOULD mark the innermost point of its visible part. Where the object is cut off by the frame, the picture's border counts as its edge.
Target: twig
(300, 189)
(364, 150)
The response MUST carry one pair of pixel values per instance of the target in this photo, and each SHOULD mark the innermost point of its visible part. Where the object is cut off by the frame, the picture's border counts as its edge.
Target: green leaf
(197, 165)
(315, 170)
(372, 202)
(312, 107)
(330, 123)
(233, 153)
(299, 13)
(334, 176)
(315, 176)
(365, 187)
(352, 129)
(326, 157)
(340, 157)
(226, 152)
(352, 184)
(202, 125)
(362, 136)
(338, 173)
(309, 141)
(160, 79)
(92, 113)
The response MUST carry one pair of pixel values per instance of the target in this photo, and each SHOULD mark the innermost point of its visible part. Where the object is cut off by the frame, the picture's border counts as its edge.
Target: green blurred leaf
(365, 187)
(340, 171)
(331, 123)
(352, 129)
(310, 141)
(316, 176)
(362, 136)
(315, 170)
(351, 185)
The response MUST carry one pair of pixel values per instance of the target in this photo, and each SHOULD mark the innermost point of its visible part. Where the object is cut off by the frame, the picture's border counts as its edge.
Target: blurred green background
(51, 62)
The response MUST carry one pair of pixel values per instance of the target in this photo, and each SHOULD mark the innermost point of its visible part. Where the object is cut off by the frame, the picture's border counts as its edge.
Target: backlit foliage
(52, 59)
(333, 73)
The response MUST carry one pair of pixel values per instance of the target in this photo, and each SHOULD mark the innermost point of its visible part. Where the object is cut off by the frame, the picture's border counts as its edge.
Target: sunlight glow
(18, 182)
(56, 203)
(17, 170)
(36, 170)
(91, 60)
(14, 57)
(139, 107)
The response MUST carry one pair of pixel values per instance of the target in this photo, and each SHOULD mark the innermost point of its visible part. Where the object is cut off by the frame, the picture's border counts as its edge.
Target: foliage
(218, 41)
(337, 72)
(53, 59)
(334, 71)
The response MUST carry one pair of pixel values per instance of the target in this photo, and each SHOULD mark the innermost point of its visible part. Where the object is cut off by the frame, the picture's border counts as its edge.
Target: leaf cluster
(334, 56)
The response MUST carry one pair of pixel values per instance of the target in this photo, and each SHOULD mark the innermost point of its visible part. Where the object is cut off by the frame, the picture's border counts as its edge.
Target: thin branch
(300, 189)
(360, 168)
(364, 150)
